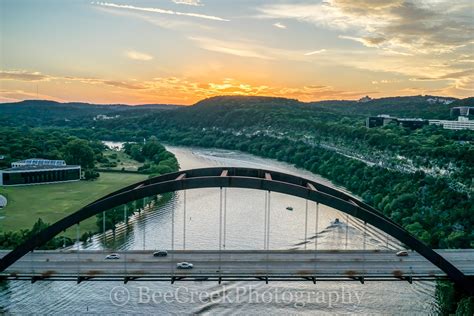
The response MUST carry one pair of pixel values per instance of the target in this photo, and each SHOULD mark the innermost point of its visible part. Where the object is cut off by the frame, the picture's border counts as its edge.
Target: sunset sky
(181, 51)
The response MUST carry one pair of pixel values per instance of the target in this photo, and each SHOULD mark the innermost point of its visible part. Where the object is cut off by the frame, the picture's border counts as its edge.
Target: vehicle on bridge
(113, 256)
(184, 265)
(160, 253)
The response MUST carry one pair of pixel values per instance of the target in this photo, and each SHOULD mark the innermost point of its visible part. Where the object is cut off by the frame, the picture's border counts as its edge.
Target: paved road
(236, 264)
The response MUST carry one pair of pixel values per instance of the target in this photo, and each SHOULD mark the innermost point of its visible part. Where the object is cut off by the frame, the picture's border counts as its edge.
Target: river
(245, 217)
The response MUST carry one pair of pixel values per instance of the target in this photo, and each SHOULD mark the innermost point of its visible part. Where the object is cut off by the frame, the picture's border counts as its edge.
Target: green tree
(78, 152)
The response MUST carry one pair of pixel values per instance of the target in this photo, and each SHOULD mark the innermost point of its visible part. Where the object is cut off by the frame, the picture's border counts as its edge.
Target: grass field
(123, 160)
(52, 202)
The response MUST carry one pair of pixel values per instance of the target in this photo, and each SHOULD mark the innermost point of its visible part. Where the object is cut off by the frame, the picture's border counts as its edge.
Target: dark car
(160, 253)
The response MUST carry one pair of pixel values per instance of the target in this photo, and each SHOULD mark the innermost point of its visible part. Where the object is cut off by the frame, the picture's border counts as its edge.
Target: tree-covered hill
(45, 112)
(427, 107)
(464, 102)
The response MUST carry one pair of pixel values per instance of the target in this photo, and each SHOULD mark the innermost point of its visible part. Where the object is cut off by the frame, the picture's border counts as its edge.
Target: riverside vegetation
(51, 143)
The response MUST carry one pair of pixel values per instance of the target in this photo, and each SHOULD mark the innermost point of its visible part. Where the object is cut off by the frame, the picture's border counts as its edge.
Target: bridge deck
(235, 265)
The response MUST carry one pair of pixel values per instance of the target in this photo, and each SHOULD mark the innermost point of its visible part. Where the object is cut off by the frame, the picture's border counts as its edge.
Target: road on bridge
(233, 265)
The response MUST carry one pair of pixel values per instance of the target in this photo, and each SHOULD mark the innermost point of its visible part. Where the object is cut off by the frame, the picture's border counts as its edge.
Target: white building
(461, 123)
(439, 100)
(102, 117)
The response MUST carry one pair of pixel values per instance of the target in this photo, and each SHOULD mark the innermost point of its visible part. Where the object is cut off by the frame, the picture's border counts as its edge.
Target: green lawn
(124, 161)
(52, 202)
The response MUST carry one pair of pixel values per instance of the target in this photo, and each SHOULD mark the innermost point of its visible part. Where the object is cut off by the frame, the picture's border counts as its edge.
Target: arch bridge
(221, 264)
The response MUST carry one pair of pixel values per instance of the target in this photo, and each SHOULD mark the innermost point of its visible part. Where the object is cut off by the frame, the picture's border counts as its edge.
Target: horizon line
(232, 96)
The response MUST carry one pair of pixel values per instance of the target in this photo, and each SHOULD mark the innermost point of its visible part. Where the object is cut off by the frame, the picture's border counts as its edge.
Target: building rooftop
(40, 168)
(39, 162)
(463, 107)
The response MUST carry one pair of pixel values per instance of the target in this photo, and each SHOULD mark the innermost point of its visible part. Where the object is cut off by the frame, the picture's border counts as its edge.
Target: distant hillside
(40, 112)
(231, 111)
(155, 106)
(429, 107)
(241, 111)
(229, 101)
(464, 102)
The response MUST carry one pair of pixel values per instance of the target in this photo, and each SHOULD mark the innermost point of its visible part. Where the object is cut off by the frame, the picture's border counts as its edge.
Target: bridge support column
(364, 247)
(184, 220)
(265, 223)
(268, 221)
(104, 237)
(144, 229)
(365, 234)
(347, 229)
(172, 243)
(220, 233)
(220, 219)
(125, 237)
(225, 218)
(316, 229)
(268, 211)
(306, 225)
(78, 231)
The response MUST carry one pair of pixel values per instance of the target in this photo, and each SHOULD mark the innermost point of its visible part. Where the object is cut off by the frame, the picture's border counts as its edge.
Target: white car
(402, 253)
(113, 256)
(184, 265)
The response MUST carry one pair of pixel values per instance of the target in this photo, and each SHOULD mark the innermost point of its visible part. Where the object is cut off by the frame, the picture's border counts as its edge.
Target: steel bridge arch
(248, 178)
